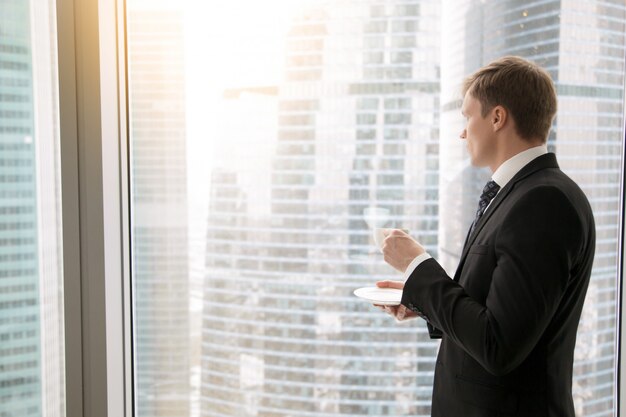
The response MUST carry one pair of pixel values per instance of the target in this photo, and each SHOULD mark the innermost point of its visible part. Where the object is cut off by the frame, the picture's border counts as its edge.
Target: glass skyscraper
(351, 134)
(31, 335)
(20, 354)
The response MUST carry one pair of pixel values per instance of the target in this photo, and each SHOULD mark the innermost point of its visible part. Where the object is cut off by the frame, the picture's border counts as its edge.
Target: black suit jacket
(509, 317)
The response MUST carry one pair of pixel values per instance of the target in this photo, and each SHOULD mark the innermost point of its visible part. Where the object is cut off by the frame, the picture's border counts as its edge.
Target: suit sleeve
(535, 250)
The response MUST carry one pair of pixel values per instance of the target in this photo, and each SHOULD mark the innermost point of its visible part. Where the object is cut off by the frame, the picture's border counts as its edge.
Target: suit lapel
(545, 161)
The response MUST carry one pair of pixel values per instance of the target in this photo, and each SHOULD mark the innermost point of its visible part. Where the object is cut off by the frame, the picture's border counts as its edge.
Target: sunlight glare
(240, 41)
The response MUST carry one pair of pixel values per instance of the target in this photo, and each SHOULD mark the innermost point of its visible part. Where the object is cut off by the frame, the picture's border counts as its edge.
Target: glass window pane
(31, 290)
(268, 139)
(159, 234)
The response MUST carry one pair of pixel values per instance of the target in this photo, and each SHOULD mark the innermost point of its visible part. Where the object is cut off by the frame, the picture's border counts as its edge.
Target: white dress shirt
(502, 176)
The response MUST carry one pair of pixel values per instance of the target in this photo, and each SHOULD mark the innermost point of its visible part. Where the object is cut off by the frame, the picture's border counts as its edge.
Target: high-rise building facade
(31, 312)
(159, 209)
(353, 146)
(20, 385)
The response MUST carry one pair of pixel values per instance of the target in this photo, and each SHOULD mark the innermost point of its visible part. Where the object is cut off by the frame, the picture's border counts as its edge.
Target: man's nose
(463, 134)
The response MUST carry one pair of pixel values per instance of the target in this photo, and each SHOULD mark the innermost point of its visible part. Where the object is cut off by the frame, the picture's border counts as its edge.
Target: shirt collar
(512, 166)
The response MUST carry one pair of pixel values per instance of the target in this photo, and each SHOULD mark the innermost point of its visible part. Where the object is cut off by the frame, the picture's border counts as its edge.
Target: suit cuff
(415, 263)
(416, 288)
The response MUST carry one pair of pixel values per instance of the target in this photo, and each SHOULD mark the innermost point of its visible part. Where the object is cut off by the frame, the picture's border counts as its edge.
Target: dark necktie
(489, 192)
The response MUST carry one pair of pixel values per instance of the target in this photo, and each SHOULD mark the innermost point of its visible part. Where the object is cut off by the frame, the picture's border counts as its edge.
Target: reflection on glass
(31, 314)
(287, 133)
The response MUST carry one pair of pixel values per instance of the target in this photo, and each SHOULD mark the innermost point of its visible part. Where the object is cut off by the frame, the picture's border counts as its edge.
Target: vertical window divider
(70, 208)
(620, 379)
(125, 205)
(92, 115)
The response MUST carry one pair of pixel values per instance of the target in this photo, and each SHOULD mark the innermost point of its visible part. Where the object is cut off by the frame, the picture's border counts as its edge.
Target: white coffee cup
(380, 233)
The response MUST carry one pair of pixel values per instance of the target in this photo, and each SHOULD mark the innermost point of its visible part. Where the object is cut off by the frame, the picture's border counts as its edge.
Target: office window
(264, 135)
(31, 290)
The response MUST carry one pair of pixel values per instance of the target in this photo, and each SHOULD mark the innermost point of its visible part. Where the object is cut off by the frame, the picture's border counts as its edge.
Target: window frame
(95, 207)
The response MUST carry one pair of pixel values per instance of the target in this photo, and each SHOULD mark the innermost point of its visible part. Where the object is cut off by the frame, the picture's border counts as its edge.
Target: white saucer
(380, 296)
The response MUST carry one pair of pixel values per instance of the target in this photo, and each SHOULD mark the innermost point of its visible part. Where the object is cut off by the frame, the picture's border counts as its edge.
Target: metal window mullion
(93, 215)
(619, 390)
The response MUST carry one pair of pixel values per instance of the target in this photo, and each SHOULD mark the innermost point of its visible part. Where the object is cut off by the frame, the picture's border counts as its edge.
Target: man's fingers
(387, 309)
(401, 313)
(390, 284)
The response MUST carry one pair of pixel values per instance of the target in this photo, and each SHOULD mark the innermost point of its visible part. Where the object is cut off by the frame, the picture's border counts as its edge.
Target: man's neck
(513, 147)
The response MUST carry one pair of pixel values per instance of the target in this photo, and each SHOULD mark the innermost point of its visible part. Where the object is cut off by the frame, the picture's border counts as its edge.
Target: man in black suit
(508, 318)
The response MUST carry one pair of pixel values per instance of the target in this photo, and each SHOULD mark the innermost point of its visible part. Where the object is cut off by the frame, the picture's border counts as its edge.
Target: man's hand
(399, 249)
(400, 312)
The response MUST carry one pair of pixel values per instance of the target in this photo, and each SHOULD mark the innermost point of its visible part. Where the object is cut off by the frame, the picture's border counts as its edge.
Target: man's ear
(499, 117)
